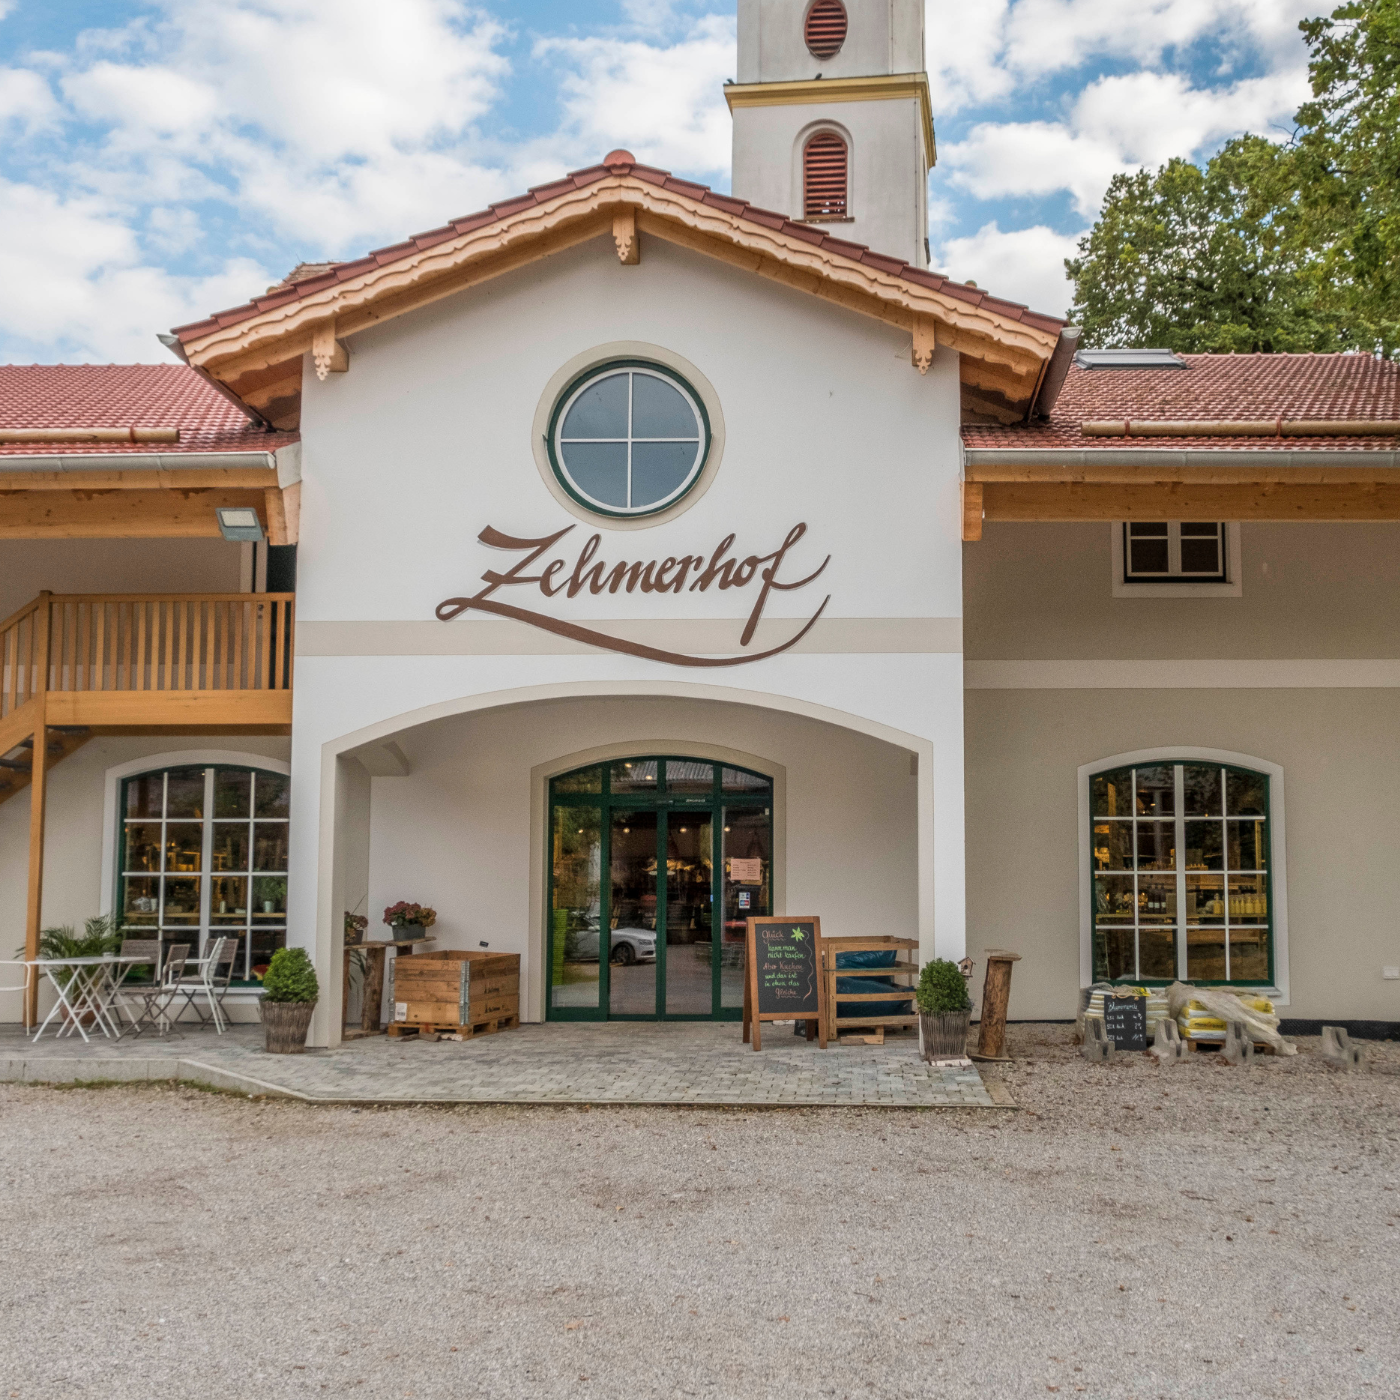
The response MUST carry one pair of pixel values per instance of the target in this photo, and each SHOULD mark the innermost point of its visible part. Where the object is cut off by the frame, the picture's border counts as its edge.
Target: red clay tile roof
(125, 396)
(1214, 387)
(616, 163)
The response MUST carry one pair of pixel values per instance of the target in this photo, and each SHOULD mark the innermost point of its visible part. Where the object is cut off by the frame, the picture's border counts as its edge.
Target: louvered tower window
(825, 29)
(824, 178)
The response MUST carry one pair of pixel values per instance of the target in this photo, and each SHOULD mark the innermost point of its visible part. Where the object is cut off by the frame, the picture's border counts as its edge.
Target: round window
(628, 438)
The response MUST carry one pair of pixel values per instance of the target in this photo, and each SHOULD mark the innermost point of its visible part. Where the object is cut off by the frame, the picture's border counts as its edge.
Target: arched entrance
(654, 863)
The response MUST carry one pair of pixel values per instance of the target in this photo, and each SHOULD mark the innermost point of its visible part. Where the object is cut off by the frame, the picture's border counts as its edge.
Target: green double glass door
(655, 864)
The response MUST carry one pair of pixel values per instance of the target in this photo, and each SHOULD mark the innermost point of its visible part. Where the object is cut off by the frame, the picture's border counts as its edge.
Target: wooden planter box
(455, 990)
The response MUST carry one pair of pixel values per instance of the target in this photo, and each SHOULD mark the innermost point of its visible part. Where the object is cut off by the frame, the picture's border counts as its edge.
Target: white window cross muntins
(1181, 874)
(203, 853)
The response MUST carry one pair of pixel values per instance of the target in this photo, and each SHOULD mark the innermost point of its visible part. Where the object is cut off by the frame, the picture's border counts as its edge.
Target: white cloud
(1024, 264)
(1118, 123)
(25, 99)
(664, 104)
(73, 272)
(985, 49)
(1147, 118)
(1017, 159)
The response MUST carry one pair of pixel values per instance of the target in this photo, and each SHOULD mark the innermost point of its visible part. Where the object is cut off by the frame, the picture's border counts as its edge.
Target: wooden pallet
(448, 1031)
(1261, 1047)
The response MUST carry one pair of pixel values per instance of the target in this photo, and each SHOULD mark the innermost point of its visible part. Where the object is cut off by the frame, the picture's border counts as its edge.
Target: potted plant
(289, 997)
(409, 920)
(945, 1010)
(355, 926)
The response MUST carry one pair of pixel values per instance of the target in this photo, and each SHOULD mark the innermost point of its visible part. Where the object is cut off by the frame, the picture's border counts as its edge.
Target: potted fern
(945, 1011)
(290, 991)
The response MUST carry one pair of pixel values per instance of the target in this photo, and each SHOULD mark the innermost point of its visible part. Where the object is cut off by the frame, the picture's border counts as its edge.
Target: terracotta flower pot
(285, 1024)
(943, 1035)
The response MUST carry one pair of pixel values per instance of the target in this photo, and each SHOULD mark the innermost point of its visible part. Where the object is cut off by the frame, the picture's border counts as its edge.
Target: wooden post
(38, 791)
(374, 990)
(996, 992)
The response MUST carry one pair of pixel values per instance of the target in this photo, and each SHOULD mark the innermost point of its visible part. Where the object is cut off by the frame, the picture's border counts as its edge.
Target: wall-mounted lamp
(239, 523)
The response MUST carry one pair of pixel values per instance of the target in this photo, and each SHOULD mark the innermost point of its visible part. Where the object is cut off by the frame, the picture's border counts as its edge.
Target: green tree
(1186, 258)
(1288, 247)
(1342, 182)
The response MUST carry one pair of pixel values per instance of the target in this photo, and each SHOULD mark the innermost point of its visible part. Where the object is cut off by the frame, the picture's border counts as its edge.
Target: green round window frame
(602, 371)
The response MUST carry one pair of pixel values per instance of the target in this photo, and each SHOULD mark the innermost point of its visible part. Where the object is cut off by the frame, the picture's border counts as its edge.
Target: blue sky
(160, 159)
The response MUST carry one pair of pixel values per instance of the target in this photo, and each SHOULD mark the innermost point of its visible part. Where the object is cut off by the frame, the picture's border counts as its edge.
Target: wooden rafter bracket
(328, 354)
(624, 231)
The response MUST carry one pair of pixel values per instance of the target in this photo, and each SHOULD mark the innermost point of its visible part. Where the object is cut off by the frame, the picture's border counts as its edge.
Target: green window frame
(202, 853)
(1182, 866)
(560, 441)
(645, 784)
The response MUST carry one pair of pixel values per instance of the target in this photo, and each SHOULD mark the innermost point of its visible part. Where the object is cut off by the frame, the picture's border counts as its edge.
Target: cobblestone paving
(686, 1063)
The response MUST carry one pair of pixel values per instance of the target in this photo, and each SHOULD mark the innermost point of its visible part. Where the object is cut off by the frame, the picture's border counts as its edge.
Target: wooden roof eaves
(579, 213)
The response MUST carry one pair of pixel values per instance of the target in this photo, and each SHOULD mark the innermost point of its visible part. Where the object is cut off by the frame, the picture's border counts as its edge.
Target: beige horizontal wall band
(1375, 674)
(691, 636)
(809, 91)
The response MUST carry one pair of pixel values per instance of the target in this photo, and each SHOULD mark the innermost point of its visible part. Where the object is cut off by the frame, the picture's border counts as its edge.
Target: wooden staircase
(16, 767)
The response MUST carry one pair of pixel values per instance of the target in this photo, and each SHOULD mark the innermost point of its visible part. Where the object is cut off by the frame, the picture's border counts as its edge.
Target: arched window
(1181, 860)
(202, 854)
(825, 28)
(824, 178)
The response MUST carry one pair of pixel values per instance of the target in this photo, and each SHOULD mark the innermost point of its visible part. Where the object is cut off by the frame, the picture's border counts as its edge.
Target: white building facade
(632, 559)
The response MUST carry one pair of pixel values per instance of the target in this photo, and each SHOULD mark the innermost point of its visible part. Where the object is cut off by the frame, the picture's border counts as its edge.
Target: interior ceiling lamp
(239, 523)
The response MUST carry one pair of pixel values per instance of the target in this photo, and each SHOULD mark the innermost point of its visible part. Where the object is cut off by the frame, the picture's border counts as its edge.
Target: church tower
(833, 124)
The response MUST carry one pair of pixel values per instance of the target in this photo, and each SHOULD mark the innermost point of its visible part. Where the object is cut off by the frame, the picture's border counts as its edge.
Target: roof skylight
(1128, 359)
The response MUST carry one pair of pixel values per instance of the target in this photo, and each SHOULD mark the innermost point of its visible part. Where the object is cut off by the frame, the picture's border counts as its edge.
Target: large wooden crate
(455, 990)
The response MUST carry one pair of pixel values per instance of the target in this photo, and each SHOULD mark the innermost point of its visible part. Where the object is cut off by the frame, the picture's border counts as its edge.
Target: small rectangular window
(1166, 551)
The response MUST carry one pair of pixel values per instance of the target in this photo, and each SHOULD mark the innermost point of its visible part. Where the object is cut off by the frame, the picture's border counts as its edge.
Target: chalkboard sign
(783, 975)
(1125, 1021)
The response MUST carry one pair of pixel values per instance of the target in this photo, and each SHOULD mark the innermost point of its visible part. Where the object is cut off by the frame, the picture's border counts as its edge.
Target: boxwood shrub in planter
(944, 1011)
(289, 997)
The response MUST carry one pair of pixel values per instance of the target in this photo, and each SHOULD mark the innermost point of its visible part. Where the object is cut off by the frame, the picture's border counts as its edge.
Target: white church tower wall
(851, 73)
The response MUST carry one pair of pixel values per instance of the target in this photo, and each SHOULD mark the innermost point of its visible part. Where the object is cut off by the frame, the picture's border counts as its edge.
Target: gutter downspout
(1052, 378)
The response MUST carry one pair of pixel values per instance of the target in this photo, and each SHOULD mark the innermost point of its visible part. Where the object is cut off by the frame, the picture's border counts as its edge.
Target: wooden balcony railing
(148, 660)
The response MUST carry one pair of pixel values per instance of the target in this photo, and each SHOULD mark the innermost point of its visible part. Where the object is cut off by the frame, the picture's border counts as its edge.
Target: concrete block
(1096, 1049)
(1238, 1048)
(1167, 1044)
(1337, 1047)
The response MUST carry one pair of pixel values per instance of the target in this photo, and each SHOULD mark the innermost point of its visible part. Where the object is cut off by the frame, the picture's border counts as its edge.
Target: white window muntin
(1182, 547)
(1278, 846)
(631, 507)
(1164, 586)
(247, 924)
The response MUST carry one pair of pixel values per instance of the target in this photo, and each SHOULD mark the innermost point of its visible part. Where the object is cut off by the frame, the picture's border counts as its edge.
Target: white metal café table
(90, 990)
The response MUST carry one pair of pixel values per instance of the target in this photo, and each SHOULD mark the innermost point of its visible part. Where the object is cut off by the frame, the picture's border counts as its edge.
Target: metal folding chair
(136, 948)
(154, 1000)
(210, 982)
(23, 986)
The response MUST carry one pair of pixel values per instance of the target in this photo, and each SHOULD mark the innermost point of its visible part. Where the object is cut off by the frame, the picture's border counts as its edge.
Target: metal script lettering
(670, 575)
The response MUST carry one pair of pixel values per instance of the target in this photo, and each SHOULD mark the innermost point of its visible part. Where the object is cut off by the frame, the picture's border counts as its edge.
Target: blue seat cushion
(870, 984)
(874, 957)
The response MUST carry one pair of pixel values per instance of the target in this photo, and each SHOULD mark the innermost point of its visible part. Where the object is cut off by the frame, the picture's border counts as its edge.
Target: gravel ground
(1194, 1230)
